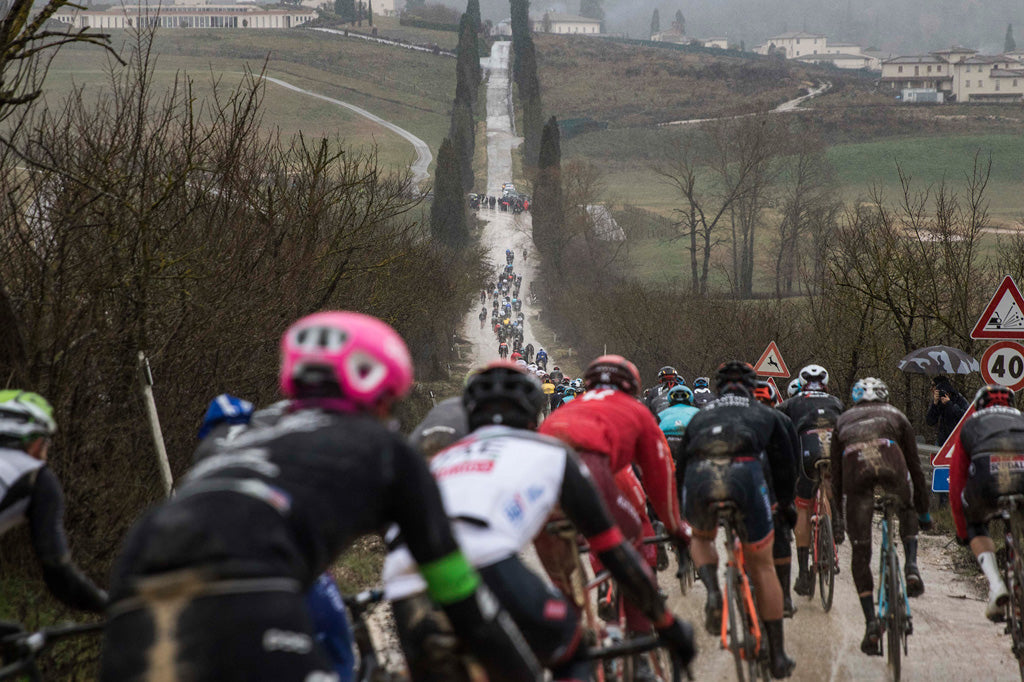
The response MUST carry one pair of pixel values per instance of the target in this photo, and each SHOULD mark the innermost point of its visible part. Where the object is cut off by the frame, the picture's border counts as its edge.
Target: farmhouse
(186, 16)
(960, 74)
(554, 22)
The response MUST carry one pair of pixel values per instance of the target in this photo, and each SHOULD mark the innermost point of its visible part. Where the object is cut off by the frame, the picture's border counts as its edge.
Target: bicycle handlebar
(631, 647)
(22, 647)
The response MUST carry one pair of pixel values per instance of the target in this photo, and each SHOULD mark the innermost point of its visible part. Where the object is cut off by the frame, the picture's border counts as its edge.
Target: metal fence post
(146, 384)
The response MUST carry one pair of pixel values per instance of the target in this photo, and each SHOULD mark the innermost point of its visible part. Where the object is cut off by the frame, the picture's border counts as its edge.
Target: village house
(568, 24)
(815, 48)
(794, 44)
(958, 74)
(195, 15)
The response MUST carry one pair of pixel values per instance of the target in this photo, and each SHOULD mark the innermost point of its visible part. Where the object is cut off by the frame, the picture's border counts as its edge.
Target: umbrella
(939, 360)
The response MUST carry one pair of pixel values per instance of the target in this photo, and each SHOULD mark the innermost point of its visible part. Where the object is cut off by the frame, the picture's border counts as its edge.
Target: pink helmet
(368, 358)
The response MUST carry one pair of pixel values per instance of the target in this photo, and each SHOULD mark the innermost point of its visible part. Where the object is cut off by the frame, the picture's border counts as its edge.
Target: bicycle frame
(887, 548)
(821, 512)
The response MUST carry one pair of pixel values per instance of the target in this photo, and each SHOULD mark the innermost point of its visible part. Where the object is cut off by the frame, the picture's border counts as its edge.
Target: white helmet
(532, 366)
(794, 387)
(870, 389)
(814, 377)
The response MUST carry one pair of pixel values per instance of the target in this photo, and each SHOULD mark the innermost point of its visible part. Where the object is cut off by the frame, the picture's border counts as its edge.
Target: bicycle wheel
(737, 629)
(825, 550)
(895, 617)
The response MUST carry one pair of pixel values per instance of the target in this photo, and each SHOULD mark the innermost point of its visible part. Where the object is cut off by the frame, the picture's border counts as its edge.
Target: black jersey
(811, 410)
(739, 426)
(29, 492)
(286, 499)
(994, 430)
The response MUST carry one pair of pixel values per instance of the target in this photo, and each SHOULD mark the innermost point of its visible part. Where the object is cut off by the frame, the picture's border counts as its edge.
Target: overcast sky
(898, 26)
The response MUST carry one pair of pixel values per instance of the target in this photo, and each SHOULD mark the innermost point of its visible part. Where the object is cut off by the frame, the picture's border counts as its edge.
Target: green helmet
(25, 415)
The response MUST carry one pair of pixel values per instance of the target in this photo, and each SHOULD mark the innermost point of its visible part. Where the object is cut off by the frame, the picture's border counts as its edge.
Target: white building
(720, 43)
(794, 44)
(838, 60)
(568, 24)
(186, 16)
(960, 74)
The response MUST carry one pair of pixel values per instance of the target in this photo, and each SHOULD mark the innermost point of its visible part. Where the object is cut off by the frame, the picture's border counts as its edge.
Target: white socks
(989, 566)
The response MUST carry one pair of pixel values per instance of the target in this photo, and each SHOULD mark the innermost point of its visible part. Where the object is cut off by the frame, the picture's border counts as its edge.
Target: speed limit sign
(1003, 364)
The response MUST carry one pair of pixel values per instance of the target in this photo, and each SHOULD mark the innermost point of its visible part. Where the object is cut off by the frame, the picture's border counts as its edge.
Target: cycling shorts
(177, 634)
(988, 477)
(738, 479)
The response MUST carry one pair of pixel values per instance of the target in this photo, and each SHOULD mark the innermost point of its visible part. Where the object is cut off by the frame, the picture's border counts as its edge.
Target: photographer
(947, 407)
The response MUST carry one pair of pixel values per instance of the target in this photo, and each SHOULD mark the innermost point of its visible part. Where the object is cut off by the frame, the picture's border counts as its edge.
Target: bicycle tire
(737, 643)
(894, 619)
(826, 565)
(684, 571)
(1015, 584)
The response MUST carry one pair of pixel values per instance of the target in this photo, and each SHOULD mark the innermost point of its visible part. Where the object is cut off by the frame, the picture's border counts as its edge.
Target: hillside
(627, 84)
(411, 89)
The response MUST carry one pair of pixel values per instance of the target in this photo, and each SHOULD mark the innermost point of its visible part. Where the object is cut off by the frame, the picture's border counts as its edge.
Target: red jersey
(617, 425)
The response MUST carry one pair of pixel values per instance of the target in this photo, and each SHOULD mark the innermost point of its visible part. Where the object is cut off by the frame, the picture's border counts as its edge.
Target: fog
(896, 26)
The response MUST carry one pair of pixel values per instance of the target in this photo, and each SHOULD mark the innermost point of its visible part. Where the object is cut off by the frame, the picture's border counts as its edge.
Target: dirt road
(504, 230)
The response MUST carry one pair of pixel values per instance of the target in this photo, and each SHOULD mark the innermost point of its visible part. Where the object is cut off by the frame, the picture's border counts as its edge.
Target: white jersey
(15, 468)
(499, 486)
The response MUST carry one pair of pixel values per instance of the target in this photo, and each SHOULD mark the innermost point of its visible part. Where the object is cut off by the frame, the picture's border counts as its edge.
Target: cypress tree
(346, 9)
(680, 23)
(463, 138)
(473, 10)
(655, 22)
(468, 75)
(1009, 44)
(448, 212)
(547, 209)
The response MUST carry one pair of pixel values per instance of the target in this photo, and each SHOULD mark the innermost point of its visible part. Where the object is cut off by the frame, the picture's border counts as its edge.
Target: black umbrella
(939, 360)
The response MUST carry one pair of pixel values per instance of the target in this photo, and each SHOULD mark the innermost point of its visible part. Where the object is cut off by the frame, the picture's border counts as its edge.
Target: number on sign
(1015, 367)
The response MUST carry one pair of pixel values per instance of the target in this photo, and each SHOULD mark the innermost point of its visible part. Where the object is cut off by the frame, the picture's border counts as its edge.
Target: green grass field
(929, 161)
(411, 89)
(388, 27)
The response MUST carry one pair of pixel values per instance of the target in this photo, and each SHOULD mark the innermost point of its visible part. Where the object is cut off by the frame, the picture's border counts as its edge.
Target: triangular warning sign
(778, 396)
(1004, 315)
(771, 363)
(944, 457)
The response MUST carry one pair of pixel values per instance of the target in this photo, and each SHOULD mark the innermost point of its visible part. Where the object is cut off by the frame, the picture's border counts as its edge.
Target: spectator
(947, 407)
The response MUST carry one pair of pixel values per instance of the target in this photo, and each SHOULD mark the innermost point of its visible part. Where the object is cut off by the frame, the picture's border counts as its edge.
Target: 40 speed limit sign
(1003, 364)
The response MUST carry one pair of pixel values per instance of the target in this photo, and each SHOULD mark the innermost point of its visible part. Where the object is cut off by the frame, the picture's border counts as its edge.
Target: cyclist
(721, 458)
(557, 375)
(873, 446)
(542, 358)
(656, 397)
(986, 461)
(503, 349)
(209, 585)
(483, 316)
(674, 419)
(516, 355)
(814, 413)
(782, 551)
(702, 394)
(500, 485)
(793, 388)
(30, 492)
(611, 430)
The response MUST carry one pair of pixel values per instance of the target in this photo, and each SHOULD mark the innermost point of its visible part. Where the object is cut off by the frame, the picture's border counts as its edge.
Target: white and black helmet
(870, 389)
(814, 377)
(794, 387)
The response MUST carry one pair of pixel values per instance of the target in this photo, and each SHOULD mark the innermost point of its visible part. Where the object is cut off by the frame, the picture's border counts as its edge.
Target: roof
(1006, 73)
(570, 18)
(830, 57)
(956, 49)
(796, 34)
(915, 59)
(982, 59)
(831, 44)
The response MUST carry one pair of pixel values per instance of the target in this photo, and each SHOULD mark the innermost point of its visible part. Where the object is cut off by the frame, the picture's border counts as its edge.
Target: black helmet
(503, 393)
(667, 372)
(991, 395)
(735, 374)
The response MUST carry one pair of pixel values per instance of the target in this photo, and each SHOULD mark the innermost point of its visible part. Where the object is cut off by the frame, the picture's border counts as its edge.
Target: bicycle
(826, 554)
(369, 668)
(892, 607)
(20, 650)
(742, 630)
(617, 653)
(1013, 570)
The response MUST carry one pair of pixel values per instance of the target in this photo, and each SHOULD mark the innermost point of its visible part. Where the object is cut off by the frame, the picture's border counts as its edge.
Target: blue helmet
(225, 409)
(680, 394)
